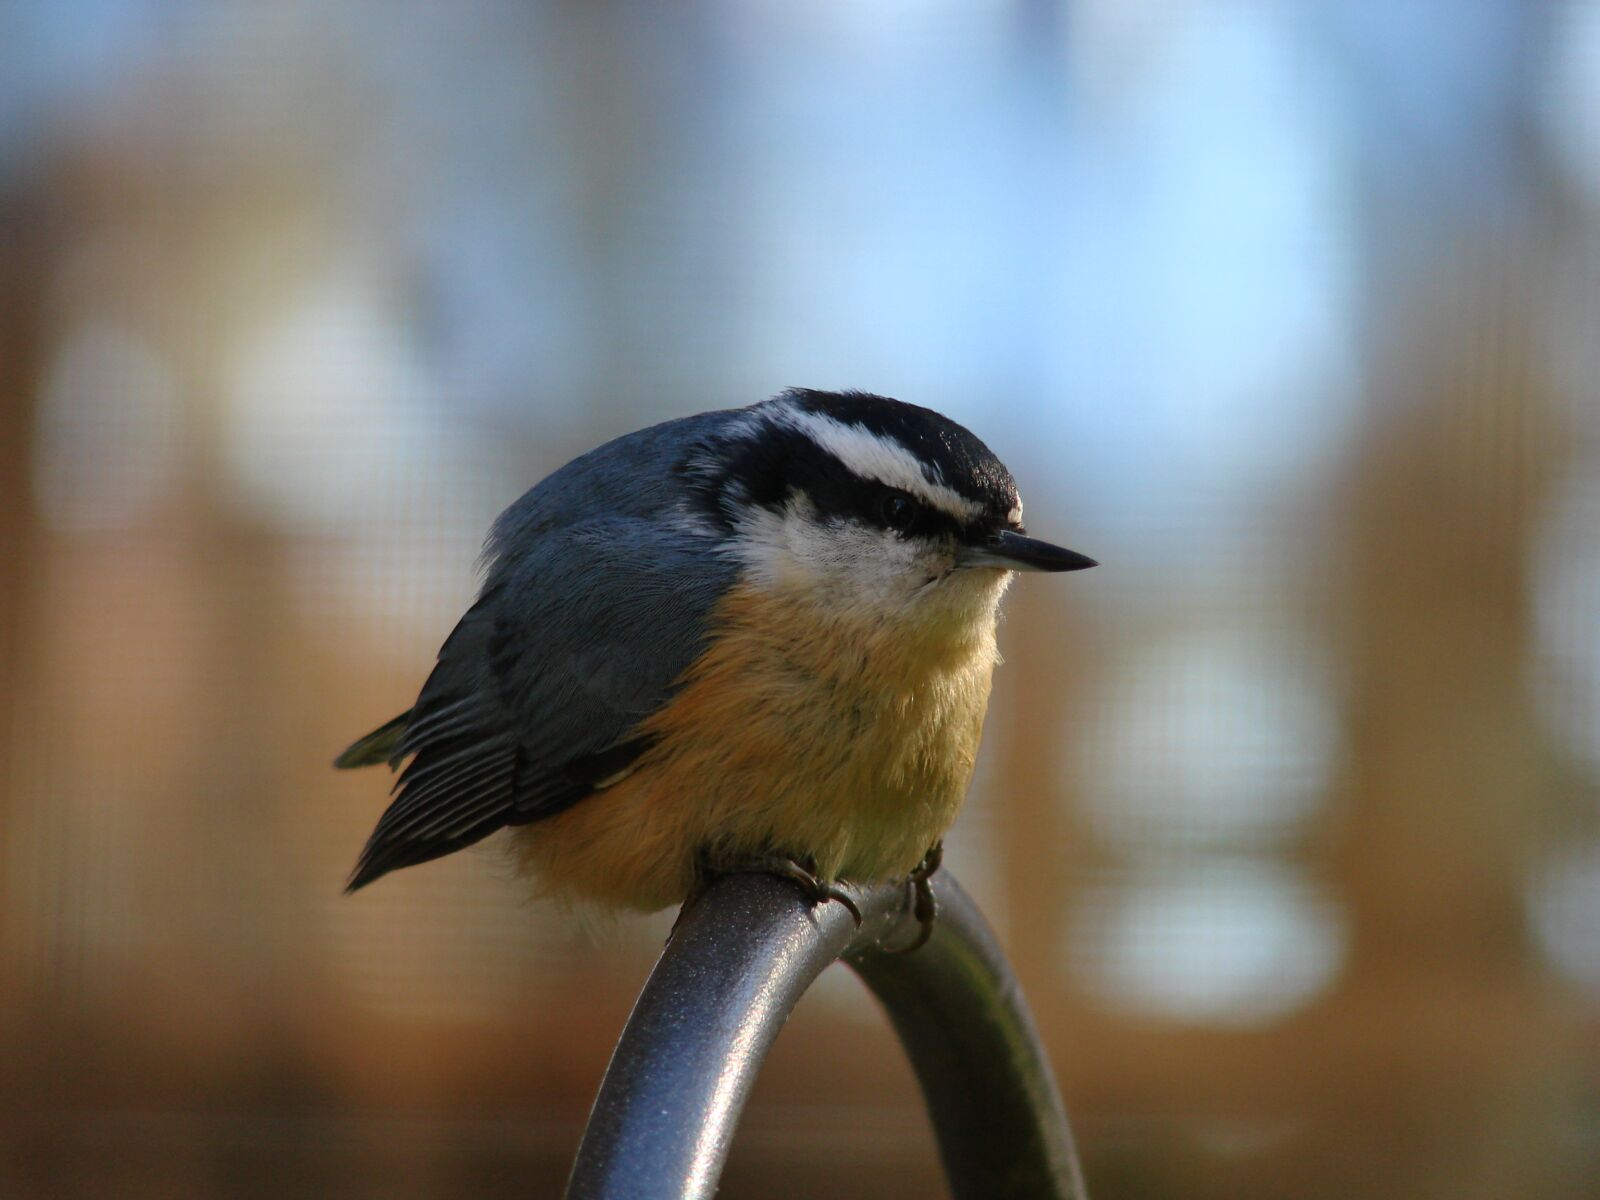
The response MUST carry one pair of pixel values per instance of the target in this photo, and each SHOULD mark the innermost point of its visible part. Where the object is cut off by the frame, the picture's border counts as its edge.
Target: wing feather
(578, 635)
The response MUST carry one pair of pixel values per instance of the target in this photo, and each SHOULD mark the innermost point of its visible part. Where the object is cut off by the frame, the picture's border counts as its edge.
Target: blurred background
(1288, 312)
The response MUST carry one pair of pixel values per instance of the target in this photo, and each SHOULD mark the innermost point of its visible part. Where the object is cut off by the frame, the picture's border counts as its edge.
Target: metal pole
(739, 961)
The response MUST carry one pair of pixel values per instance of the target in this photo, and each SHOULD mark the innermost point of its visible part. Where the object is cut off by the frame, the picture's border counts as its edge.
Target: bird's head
(870, 507)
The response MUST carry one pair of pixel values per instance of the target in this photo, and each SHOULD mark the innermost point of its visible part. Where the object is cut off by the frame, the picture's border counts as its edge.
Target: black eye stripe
(964, 462)
(769, 466)
(904, 513)
(899, 511)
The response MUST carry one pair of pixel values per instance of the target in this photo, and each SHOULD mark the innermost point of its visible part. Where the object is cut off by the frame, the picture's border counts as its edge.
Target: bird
(755, 639)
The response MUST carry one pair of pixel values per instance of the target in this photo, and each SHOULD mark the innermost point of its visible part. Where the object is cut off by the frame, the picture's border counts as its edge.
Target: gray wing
(582, 631)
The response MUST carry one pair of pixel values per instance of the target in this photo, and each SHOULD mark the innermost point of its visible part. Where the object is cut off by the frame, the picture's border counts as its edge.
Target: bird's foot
(923, 904)
(803, 873)
(816, 890)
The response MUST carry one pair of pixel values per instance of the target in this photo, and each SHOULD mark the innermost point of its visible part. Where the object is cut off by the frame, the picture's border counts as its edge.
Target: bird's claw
(816, 890)
(924, 906)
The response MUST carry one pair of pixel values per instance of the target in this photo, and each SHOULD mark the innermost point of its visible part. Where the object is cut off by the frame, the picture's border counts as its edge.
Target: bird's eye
(900, 511)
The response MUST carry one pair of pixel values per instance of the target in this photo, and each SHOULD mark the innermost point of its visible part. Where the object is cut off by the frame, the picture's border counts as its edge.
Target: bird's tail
(378, 746)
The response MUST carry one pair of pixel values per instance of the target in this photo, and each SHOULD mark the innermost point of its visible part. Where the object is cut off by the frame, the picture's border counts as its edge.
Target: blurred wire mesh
(1288, 312)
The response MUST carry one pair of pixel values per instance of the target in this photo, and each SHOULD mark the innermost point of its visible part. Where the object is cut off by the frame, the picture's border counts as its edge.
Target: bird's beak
(1012, 551)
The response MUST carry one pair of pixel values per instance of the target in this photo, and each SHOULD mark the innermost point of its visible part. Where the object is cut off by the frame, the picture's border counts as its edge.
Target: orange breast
(847, 740)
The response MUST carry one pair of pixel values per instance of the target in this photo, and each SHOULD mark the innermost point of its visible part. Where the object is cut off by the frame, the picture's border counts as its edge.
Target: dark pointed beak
(1014, 551)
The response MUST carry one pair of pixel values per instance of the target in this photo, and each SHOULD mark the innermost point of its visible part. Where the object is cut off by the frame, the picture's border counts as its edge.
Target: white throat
(861, 575)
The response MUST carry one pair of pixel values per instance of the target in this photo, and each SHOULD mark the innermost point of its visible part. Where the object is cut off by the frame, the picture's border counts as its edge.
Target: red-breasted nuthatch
(754, 638)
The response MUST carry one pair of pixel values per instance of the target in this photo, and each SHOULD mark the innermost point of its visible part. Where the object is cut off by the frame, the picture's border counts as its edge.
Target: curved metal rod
(738, 962)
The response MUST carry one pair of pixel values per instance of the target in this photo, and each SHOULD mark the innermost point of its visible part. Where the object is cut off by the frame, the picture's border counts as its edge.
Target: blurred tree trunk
(1440, 1055)
(27, 249)
(29, 245)
(1444, 1057)
(1043, 851)
(613, 134)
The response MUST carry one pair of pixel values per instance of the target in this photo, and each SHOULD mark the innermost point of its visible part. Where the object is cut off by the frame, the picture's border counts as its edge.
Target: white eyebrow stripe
(881, 459)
